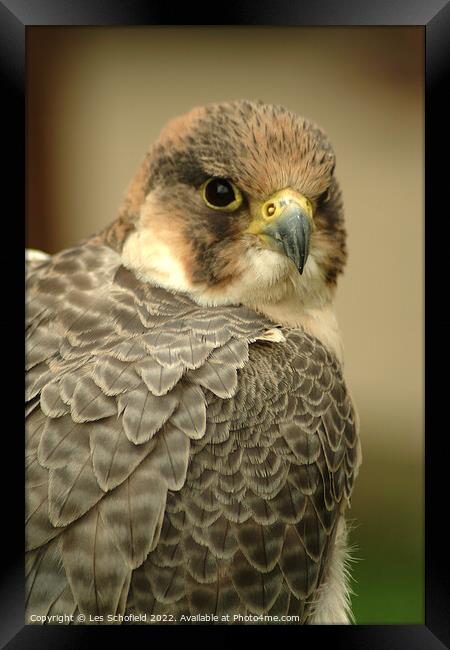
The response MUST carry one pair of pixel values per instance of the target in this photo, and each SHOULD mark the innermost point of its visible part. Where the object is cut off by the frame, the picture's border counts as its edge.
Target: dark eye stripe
(176, 167)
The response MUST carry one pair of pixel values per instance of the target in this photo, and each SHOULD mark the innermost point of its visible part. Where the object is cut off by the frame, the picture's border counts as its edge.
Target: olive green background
(98, 96)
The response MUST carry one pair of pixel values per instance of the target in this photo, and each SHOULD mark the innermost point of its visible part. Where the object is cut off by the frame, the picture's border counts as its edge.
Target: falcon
(191, 446)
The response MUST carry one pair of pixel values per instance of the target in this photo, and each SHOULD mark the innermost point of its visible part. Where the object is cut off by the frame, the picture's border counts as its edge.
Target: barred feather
(176, 460)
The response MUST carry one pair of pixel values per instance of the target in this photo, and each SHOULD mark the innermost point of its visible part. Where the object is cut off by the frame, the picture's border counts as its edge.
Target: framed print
(95, 86)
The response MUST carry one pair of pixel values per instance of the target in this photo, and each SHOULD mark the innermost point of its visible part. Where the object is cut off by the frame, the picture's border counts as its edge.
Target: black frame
(434, 16)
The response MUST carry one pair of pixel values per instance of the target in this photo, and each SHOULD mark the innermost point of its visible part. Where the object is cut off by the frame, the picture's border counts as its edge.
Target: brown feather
(86, 544)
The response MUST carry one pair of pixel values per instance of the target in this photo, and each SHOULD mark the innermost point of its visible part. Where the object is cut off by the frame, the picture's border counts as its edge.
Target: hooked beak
(284, 223)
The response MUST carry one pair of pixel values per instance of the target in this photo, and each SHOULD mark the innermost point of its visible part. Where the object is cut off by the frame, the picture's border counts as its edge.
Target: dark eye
(220, 194)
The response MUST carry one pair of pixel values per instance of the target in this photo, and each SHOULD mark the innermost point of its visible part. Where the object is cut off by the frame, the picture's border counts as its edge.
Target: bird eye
(220, 194)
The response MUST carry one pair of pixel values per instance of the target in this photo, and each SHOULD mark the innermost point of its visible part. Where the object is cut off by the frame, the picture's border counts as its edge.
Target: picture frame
(18, 15)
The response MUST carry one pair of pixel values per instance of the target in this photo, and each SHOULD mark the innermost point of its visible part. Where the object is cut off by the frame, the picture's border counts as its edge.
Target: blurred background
(97, 97)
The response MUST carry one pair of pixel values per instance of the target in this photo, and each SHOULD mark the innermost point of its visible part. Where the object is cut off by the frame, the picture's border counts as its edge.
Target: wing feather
(45, 579)
(176, 460)
(94, 570)
(133, 513)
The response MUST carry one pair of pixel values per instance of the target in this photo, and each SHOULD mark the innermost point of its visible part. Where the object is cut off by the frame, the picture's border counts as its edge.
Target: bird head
(237, 203)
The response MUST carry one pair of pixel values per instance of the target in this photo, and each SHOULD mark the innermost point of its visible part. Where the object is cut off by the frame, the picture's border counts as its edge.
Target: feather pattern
(175, 463)
(88, 543)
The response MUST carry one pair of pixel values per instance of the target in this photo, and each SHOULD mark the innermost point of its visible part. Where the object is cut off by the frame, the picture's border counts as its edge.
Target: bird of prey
(191, 446)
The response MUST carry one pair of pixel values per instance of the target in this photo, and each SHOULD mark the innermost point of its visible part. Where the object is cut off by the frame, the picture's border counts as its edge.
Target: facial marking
(206, 249)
